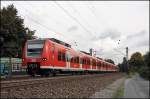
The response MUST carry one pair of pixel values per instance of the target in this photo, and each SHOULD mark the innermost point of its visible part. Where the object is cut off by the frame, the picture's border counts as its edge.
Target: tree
(136, 60)
(13, 32)
(110, 61)
(146, 58)
(144, 70)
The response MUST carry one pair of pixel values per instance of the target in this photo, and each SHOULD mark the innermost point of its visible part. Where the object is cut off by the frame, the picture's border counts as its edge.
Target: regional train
(50, 56)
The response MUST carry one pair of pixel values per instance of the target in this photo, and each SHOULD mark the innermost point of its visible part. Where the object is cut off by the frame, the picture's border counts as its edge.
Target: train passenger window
(93, 63)
(88, 61)
(77, 59)
(84, 61)
(59, 56)
(74, 59)
(63, 57)
(71, 59)
(80, 60)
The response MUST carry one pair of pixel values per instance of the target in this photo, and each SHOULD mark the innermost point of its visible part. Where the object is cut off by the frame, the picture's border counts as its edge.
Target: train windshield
(34, 48)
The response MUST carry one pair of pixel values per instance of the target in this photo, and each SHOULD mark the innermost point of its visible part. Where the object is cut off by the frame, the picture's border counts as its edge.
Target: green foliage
(13, 32)
(146, 58)
(140, 64)
(123, 65)
(136, 59)
(120, 91)
(144, 72)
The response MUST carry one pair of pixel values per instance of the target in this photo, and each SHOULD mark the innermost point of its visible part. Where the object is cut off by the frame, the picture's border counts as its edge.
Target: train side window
(84, 61)
(53, 48)
(59, 55)
(63, 57)
(93, 62)
(88, 61)
(77, 59)
(72, 60)
(80, 60)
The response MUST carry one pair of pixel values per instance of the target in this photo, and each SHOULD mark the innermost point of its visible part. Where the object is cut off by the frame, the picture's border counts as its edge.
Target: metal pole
(127, 59)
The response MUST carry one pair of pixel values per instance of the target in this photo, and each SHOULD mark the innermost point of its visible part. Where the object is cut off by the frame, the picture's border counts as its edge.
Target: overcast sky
(91, 24)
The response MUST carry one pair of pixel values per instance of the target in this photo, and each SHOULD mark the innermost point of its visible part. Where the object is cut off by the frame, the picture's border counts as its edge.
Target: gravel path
(73, 87)
(136, 87)
(110, 90)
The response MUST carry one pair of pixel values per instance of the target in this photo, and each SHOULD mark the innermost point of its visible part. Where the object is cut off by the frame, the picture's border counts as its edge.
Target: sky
(106, 26)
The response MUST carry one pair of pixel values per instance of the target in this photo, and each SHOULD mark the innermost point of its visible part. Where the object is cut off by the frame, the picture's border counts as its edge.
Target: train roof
(60, 42)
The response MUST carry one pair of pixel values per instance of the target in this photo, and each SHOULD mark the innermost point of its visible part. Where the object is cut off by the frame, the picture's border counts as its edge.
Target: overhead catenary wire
(71, 16)
(119, 51)
(79, 14)
(50, 29)
(71, 40)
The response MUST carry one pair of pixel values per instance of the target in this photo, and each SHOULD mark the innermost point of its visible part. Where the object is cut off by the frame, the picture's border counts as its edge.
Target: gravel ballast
(68, 87)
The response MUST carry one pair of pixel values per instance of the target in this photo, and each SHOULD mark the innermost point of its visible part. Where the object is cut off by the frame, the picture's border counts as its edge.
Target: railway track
(21, 82)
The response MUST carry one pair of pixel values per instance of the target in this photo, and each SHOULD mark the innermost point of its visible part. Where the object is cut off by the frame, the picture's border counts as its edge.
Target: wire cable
(72, 17)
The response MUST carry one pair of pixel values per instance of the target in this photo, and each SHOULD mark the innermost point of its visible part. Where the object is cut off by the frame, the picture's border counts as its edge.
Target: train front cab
(34, 55)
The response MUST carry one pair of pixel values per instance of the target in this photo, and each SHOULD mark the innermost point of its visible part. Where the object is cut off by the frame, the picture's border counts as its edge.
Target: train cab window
(35, 48)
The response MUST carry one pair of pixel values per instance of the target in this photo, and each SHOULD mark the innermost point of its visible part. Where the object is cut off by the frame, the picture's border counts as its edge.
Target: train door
(96, 65)
(68, 59)
(80, 61)
(91, 63)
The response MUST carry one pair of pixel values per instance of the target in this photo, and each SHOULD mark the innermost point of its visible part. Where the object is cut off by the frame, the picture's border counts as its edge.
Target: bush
(144, 72)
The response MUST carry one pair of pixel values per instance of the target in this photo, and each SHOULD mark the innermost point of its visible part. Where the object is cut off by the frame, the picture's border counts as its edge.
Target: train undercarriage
(34, 69)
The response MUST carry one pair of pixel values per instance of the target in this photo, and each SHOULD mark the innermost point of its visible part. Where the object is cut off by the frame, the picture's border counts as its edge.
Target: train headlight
(44, 59)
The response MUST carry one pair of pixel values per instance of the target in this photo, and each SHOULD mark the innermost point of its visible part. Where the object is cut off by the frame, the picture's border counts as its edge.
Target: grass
(120, 91)
(130, 74)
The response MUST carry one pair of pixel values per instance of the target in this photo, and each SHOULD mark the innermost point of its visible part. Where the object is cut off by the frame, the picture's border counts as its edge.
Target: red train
(51, 55)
